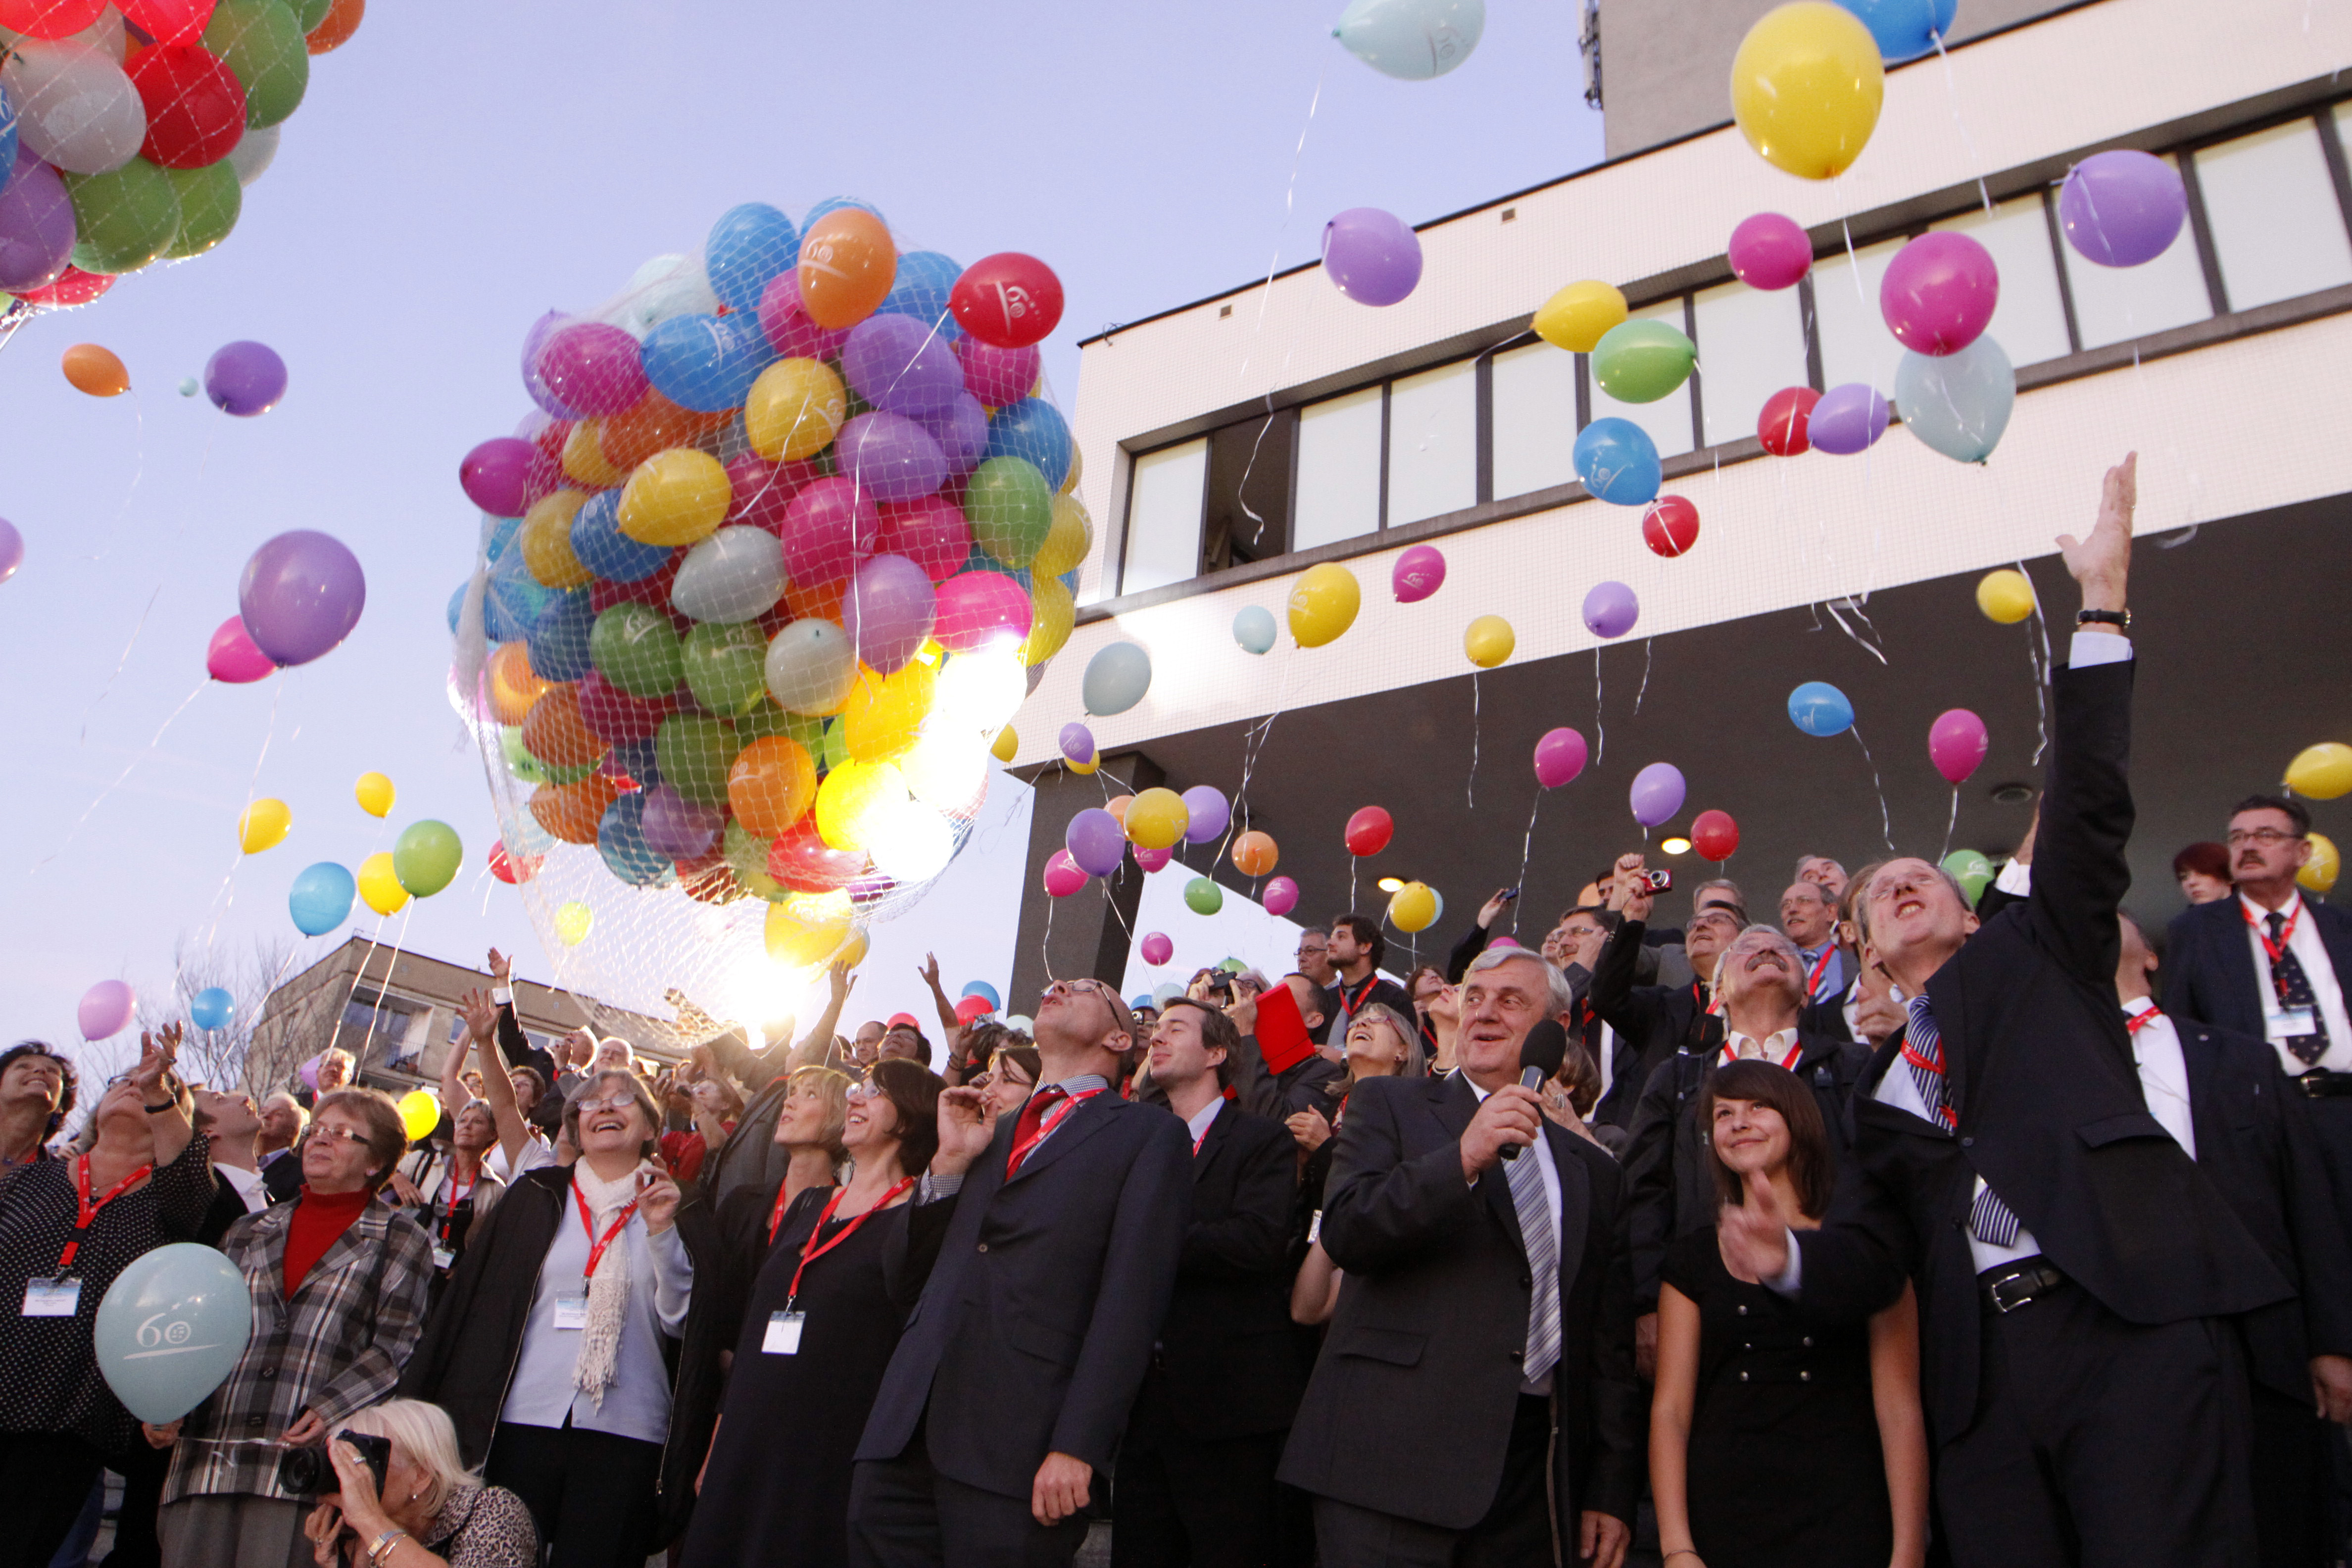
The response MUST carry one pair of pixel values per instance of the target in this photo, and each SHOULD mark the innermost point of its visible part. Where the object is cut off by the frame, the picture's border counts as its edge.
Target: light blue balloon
(1820, 708)
(621, 840)
(558, 637)
(321, 897)
(1618, 462)
(171, 1328)
(503, 530)
(212, 1008)
(921, 289)
(1905, 29)
(457, 607)
(986, 993)
(1958, 404)
(1254, 628)
(599, 545)
(707, 363)
(1115, 678)
(1032, 428)
(1412, 39)
(749, 245)
(514, 599)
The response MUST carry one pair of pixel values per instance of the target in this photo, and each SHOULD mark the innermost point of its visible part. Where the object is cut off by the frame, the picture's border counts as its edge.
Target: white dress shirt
(248, 1184)
(2163, 1072)
(2302, 940)
(1779, 1049)
(1197, 1124)
(1542, 1151)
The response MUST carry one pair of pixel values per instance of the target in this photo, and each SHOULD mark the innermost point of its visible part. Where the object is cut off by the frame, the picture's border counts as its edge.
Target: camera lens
(304, 1471)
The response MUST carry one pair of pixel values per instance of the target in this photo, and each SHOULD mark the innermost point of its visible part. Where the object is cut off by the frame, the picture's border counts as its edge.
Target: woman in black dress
(817, 1335)
(1778, 1440)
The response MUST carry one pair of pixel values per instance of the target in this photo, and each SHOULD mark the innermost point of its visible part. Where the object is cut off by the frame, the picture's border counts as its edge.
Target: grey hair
(1862, 904)
(1415, 1057)
(1561, 995)
(1799, 874)
(1774, 934)
(428, 1436)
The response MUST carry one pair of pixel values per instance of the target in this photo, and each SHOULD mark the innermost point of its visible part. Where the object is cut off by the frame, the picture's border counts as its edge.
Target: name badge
(51, 1298)
(2288, 1023)
(443, 1259)
(1315, 1228)
(784, 1336)
(571, 1312)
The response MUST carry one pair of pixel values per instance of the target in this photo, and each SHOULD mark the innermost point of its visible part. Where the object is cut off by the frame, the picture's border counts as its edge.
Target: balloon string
(376, 1011)
(118, 664)
(1649, 655)
(1952, 823)
(1527, 852)
(1885, 822)
(224, 898)
(1470, 789)
(1600, 735)
(1352, 863)
(125, 773)
(1952, 96)
(2037, 655)
(1045, 943)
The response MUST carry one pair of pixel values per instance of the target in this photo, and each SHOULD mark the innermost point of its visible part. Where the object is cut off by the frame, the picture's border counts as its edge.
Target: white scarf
(608, 1290)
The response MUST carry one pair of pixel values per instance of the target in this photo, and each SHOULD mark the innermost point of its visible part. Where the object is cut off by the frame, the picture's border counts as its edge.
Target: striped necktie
(1525, 1176)
(1991, 1220)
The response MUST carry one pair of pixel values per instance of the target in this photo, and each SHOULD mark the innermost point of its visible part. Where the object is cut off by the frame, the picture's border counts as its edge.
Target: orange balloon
(342, 21)
(1254, 854)
(1117, 805)
(513, 688)
(654, 424)
(574, 810)
(556, 734)
(96, 371)
(772, 785)
(820, 601)
(847, 264)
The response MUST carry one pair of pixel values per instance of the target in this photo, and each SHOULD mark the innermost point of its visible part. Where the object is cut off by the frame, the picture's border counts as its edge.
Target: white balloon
(810, 667)
(736, 575)
(253, 153)
(665, 287)
(75, 109)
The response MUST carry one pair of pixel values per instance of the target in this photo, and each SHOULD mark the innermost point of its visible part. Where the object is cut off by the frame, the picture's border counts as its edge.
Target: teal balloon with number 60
(171, 1328)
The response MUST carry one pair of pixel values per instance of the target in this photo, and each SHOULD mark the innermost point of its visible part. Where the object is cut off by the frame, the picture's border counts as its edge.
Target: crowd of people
(1901, 1227)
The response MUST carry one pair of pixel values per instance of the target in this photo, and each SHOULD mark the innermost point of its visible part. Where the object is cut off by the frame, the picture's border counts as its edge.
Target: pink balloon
(763, 492)
(976, 608)
(1560, 756)
(1152, 859)
(790, 331)
(496, 476)
(1504, 942)
(1770, 251)
(309, 1073)
(1063, 877)
(1281, 896)
(231, 658)
(931, 532)
(1956, 743)
(829, 528)
(591, 367)
(1419, 572)
(998, 377)
(105, 1009)
(1940, 292)
(1157, 949)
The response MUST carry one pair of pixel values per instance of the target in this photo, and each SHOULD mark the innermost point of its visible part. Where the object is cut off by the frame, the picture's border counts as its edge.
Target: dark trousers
(143, 1469)
(45, 1478)
(2101, 1444)
(1516, 1531)
(2291, 1479)
(1186, 1502)
(593, 1496)
(905, 1514)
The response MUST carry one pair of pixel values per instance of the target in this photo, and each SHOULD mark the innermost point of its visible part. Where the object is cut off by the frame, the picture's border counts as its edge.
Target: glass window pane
(1668, 420)
(1433, 443)
(2116, 304)
(1751, 344)
(1163, 516)
(1534, 420)
(2277, 226)
(1855, 343)
(2029, 322)
(1338, 492)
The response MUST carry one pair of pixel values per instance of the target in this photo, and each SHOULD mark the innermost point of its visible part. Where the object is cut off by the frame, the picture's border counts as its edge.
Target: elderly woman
(431, 1511)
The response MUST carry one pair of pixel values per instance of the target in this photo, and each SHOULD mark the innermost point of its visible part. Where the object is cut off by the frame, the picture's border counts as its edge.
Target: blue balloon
(1820, 708)
(635, 758)
(1254, 628)
(503, 530)
(1115, 678)
(987, 993)
(212, 1008)
(8, 139)
(1033, 428)
(707, 363)
(171, 1328)
(1905, 29)
(558, 637)
(513, 600)
(834, 205)
(748, 246)
(1618, 462)
(1958, 404)
(621, 840)
(921, 289)
(1412, 40)
(599, 545)
(321, 897)
(457, 607)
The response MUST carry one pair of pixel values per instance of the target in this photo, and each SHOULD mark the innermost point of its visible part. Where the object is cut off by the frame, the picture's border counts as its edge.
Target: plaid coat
(336, 1348)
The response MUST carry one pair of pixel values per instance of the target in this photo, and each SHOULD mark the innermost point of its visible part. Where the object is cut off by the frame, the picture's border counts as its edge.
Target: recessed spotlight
(1391, 884)
(2012, 793)
(1675, 845)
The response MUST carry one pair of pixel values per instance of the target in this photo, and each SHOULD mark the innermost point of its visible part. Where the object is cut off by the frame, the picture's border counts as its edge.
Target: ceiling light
(1675, 845)
(1391, 884)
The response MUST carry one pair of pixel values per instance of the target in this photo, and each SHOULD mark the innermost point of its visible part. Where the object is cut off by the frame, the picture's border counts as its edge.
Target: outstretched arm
(818, 1041)
(481, 1015)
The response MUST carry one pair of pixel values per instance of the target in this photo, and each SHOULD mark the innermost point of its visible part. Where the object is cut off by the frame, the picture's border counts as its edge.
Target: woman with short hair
(2203, 869)
(1012, 1076)
(431, 1510)
(447, 1191)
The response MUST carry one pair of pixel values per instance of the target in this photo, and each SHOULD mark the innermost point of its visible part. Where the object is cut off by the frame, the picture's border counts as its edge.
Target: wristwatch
(384, 1544)
(2119, 619)
(159, 1110)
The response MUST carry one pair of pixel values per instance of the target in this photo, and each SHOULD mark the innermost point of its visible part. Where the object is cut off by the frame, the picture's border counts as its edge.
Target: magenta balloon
(1063, 877)
(960, 428)
(1078, 743)
(976, 608)
(1940, 292)
(1281, 896)
(1371, 257)
(1611, 610)
(37, 226)
(1504, 942)
(1770, 251)
(308, 1072)
(1157, 949)
(889, 457)
(898, 364)
(676, 826)
(496, 476)
(1208, 814)
(1095, 841)
(932, 533)
(1419, 572)
(997, 378)
(301, 596)
(532, 382)
(12, 550)
(1657, 793)
(2120, 208)
(1151, 860)
(888, 612)
(105, 1009)
(1848, 419)
(829, 528)
(231, 658)
(245, 378)
(792, 332)
(594, 368)
(1956, 743)
(616, 716)
(1560, 755)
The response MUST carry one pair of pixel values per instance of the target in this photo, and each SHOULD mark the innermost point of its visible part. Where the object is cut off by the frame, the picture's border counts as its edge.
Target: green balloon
(308, 14)
(835, 748)
(261, 40)
(1203, 897)
(210, 201)
(1971, 870)
(123, 220)
(748, 855)
(694, 752)
(1641, 361)
(635, 647)
(426, 858)
(1011, 509)
(726, 667)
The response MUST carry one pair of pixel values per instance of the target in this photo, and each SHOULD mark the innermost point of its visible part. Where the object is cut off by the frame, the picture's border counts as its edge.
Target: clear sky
(456, 172)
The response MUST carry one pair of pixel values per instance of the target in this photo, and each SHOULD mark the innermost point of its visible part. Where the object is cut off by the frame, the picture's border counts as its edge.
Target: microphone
(1540, 1055)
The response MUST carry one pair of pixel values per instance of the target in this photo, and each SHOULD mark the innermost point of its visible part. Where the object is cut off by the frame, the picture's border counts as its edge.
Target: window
(2029, 322)
(1163, 516)
(1535, 419)
(1751, 344)
(2271, 207)
(1433, 443)
(1855, 343)
(1338, 492)
(1668, 420)
(1249, 492)
(2116, 304)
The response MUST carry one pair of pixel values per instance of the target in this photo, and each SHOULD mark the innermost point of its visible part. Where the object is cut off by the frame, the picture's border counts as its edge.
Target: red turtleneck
(318, 1219)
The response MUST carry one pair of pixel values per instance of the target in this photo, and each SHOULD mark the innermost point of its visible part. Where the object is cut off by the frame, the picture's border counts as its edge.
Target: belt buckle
(2004, 1300)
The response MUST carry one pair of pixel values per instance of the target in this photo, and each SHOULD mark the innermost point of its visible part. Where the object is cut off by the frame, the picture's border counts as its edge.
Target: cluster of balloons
(422, 861)
(1152, 822)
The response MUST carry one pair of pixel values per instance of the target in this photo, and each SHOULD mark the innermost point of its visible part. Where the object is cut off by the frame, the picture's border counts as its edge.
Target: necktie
(1525, 1176)
(2293, 988)
(1028, 1128)
(1991, 1220)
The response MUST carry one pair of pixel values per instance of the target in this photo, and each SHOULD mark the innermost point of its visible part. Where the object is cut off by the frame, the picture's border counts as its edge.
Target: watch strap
(2121, 618)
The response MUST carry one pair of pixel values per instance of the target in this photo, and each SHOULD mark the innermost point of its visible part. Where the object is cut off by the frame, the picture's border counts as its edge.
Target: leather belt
(2009, 1286)
(2321, 1084)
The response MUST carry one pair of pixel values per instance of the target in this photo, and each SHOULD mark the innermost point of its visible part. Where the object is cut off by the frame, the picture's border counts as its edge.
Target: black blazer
(2209, 973)
(1653, 1022)
(1410, 1405)
(1034, 1326)
(2039, 1068)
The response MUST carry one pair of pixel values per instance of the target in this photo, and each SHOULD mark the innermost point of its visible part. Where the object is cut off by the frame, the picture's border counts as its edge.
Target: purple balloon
(901, 365)
(998, 377)
(105, 1009)
(1078, 743)
(889, 457)
(1940, 292)
(1373, 257)
(1419, 572)
(533, 383)
(496, 476)
(594, 368)
(1095, 841)
(676, 826)
(2119, 209)
(37, 226)
(301, 596)
(1848, 419)
(1560, 757)
(888, 612)
(1208, 814)
(12, 550)
(1657, 793)
(962, 430)
(1770, 251)
(1611, 610)
(245, 378)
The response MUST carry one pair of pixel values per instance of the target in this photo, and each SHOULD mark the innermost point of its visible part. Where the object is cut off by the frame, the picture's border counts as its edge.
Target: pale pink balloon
(105, 1009)
(976, 608)
(231, 658)
(1152, 859)
(1956, 743)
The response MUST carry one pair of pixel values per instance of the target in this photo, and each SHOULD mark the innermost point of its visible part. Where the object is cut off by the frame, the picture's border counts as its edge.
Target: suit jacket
(1034, 1326)
(1653, 1022)
(2210, 974)
(2039, 1068)
(1410, 1408)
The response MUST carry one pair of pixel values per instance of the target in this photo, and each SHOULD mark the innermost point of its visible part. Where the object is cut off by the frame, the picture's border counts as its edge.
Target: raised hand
(157, 1054)
(1492, 909)
(930, 970)
(481, 1015)
(501, 967)
(2101, 562)
(657, 1199)
(1755, 1234)
(966, 1129)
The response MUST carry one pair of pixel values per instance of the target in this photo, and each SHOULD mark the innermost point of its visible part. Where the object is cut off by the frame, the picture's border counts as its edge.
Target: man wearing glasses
(1315, 963)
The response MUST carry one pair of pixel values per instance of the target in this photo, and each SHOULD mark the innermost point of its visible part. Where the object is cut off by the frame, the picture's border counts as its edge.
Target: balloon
(1158, 819)
(37, 226)
(1033, 428)
(105, 1009)
(1657, 793)
(212, 1008)
(846, 266)
(497, 474)
(1770, 251)
(1281, 896)
(1848, 419)
(342, 19)
(621, 844)
(1971, 870)
(735, 574)
(77, 109)
(1560, 755)
(210, 202)
(1371, 257)
(2323, 772)
(572, 811)
(885, 714)
(262, 43)
(705, 364)
(96, 371)
(1116, 680)
(2122, 208)
(380, 887)
(997, 377)
(985, 992)
(558, 637)
(748, 247)
(1782, 424)
(1618, 462)
(591, 367)
(375, 794)
(1611, 610)
(2006, 595)
(1957, 743)
(1007, 744)
(810, 668)
(1156, 948)
(1011, 509)
(1905, 29)
(1412, 908)
(677, 497)
(637, 649)
(1412, 40)
(1581, 315)
(1820, 708)
(50, 18)
(901, 365)
(1939, 292)
(1206, 814)
(263, 825)
(573, 921)
(2319, 872)
(1418, 572)
(512, 868)
(1009, 300)
(1958, 404)
(1078, 743)
(920, 292)
(545, 539)
(1323, 605)
(771, 786)
(171, 1328)
(420, 1114)
(1070, 537)
(978, 608)
(677, 827)
(194, 105)
(724, 669)
(321, 897)
(1368, 831)
(1254, 628)
(1203, 897)
(245, 379)
(1806, 87)
(888, 612)
(426, 855)
(971, 1009)
(1670, 526)
(794, 409)
(1488, 641)
(12, 551)
(255, 153)
(1714, 835)
(301, 596)
(1643, 360)
(231, 659)
(1255, 853)
(1063, 877)
(1095, 841)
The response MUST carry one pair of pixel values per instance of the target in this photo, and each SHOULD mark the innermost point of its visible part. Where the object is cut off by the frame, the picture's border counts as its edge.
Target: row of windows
(2269, 205)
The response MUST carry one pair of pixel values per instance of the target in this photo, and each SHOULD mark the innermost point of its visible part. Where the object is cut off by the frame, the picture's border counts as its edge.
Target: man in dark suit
(1059, 1230)
(2072, 1261)
(1195, 1483)
(1653, 1022)
(1356, 947)
(1479, 1372)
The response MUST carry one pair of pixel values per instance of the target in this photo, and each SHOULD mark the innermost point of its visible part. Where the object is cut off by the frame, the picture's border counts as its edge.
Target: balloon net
(759, 582)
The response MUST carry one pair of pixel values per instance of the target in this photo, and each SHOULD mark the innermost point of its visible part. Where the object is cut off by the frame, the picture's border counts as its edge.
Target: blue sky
(457, 171)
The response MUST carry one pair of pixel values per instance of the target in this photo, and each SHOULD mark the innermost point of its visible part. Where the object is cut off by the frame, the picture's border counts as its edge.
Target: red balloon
(1782, 425)
(972, 1009)
(513, 868)
(1670, 527)
(169, 21)
(50, 18)
(73, 287)
(805, 863)
(1007, 300)
(1368, 831)
(196, 105)
(604, 594)
(1714, 835)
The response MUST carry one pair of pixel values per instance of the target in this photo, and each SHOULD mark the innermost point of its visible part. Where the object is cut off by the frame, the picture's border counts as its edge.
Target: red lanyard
(2138, 1021)
(448, 1216)
(1350, 1003)
(1935, 1064)
(1700, 1000)
(1046, 1125)
(1820, 967)
(86, 1200)
(595, 1247)
(1788, 1061)
(810, 1251)
(2276, 950)
(784, 1196)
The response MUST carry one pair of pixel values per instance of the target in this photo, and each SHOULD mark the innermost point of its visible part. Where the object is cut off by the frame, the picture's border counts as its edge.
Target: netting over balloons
(758, 581)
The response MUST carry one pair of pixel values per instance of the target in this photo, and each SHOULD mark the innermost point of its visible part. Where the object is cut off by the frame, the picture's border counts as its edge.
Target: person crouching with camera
(402, 1498)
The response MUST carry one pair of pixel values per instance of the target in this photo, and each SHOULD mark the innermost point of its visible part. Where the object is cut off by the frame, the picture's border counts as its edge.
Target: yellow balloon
(849, 796)
(2005, 596)
(799, 943)
(1052, 612)
(886, 713)
(573, 919)
(420, 1113)
(376, 794)
(1157, 818)
(2322, 771)
(546, 540)
(584, 462)
(1082, 769)
(852, 951)
(1006, 745)
(2318, 873)
(1067, 540)
(1488, 641)
(263, 824)
(795, 410)
(1806, 87)
(1323, 604)
(1077, 467)
(1412, 908)
(677, 497)
(1579, 316)
(380, 886)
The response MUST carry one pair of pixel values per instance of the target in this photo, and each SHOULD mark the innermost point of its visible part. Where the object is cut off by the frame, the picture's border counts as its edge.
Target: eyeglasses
(1309, 950)
(611, 1102)
(2268, 837)
(340, 1134)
